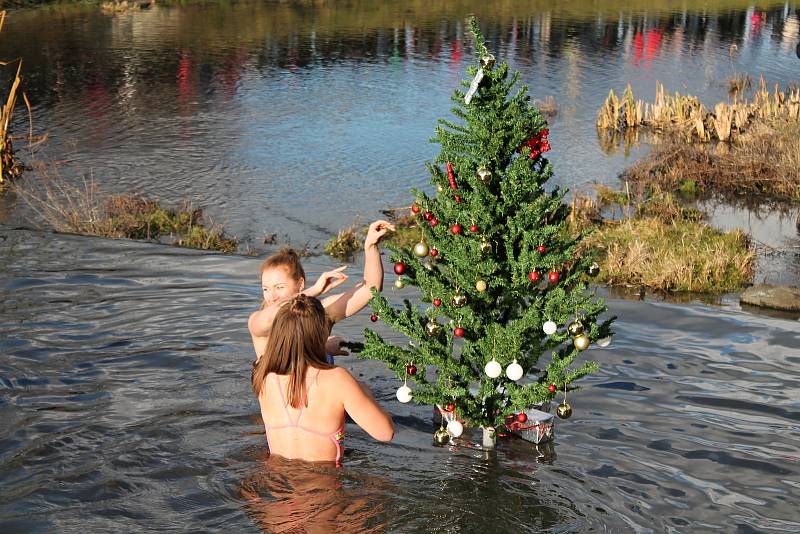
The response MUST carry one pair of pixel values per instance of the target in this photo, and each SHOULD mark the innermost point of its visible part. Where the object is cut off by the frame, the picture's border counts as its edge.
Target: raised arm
(364, 409)
(326, 281)
(351, 302)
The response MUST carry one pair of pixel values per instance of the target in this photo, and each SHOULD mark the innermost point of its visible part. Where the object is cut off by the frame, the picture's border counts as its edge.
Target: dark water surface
(125, 405)
(296, 118)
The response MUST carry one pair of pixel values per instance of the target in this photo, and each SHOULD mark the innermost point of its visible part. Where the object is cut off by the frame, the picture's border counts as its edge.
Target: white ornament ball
(549, 328)
(606, 341)
(455, 428)
(493, 369)
(404, 394)
(514, 371)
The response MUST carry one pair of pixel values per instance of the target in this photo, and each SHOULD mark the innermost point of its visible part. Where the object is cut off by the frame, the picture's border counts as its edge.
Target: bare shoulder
(338, 377)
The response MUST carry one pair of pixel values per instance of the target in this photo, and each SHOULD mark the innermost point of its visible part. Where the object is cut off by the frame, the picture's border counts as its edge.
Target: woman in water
(303, 398)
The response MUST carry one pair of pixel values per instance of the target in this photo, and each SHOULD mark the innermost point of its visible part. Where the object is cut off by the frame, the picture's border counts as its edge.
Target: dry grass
(9, 167)
(738, 84)
(83, 209)
(684, 117)
(547, 107)
(659, 243)
(765, 162)
(677, 256)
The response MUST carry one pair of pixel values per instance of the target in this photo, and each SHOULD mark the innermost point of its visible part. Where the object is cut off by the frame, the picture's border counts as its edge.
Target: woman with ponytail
(303, 398)
(282, 277)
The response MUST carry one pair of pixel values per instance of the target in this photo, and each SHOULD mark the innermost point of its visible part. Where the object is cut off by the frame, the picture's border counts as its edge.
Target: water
(124, 366)
(274, 115)
(125, 401)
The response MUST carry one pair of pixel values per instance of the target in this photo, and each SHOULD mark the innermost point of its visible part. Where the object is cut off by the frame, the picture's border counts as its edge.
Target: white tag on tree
(473, 87)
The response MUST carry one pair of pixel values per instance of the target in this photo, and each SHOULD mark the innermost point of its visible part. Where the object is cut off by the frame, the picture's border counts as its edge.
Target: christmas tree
(508, 309)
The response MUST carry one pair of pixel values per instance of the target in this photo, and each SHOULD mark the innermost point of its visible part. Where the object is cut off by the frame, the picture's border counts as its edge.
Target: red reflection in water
(646, 46)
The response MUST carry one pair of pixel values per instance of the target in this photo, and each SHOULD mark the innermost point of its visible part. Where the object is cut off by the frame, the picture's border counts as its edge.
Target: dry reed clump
(9, 167)
(685, 117)
(83, 209)
(764, 162)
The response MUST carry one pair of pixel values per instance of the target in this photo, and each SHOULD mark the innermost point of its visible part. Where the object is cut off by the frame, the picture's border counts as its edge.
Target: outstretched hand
(330, 279)
(333, 346)
(376, 231)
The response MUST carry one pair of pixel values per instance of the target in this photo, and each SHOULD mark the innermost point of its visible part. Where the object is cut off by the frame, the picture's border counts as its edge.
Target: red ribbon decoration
(538, 143)
(451, 176)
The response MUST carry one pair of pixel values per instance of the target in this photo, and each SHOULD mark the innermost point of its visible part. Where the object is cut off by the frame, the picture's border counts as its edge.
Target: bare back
(308, 432)
(315, 432)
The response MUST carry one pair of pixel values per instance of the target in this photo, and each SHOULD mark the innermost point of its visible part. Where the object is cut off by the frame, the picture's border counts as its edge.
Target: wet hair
(297, 341)
(286, 257)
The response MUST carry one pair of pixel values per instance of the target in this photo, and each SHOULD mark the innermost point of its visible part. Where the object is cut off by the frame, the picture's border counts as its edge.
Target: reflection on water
(295, 496)
(125, 402)
(257, 110)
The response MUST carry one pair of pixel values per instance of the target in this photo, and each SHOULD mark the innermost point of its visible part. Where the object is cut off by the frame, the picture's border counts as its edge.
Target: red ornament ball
(414, 208)
(450, 407)
(533, 276)
(434, 221)
(473, 228)
(434, 252)
(373, 317)
(522, 417)
(399, 267)
(553, 276)
(458, 331)
(456, 228)
(458, 198)
(540, 249)
(411, 369)
(552, 388)
(437, 302)
(428, 215)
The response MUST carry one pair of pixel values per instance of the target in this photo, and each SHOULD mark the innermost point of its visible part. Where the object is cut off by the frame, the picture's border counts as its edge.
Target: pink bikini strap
(283, 401)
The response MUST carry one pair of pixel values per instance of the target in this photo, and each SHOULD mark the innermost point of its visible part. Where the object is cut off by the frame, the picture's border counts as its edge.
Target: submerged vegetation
(82, 209)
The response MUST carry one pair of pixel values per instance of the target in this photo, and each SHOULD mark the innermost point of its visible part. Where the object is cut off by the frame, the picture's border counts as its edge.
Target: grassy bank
(84, 210)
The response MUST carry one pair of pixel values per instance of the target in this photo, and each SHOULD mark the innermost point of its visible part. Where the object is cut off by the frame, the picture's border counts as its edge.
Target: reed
(683, 116)
(9, 167)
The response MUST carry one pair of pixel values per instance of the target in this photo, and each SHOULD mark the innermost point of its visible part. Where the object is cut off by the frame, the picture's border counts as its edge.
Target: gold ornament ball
(483, 175)
(487, 61)
(459, 300)
(593, 270)
(399, 283)
(441, 437)
(564, 410)
(581, 342)
(575, 328)
(440, 188)
(421, 249)
(480, 285)
(433, 328)
(485, 246)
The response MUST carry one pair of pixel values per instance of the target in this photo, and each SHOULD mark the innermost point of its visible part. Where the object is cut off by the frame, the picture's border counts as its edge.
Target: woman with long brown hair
(303, 398)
